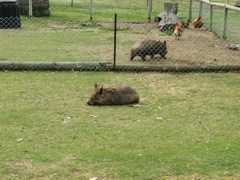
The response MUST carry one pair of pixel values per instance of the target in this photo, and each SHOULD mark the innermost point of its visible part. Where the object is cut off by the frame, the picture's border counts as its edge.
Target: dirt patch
(195, 47)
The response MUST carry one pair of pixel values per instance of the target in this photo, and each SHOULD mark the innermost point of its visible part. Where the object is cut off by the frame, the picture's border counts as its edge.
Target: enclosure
(186, 125)
(80, 34)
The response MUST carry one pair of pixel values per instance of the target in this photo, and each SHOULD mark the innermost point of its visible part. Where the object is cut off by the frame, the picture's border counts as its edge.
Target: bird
(197, 23)
(186, 24)
(178, 31)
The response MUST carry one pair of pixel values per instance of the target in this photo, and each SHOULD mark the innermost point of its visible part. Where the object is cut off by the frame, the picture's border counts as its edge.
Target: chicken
(197, 23)
(177, 31)
(186, 25)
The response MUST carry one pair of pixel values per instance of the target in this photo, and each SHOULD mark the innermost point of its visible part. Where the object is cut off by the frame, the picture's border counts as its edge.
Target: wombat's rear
(149, 47)
(113, 96)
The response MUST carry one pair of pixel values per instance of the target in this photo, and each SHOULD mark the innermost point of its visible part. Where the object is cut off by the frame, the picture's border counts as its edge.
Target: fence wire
(59, 35)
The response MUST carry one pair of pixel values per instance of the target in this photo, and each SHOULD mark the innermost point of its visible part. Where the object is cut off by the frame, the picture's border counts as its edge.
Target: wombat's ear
(101, 90)
(95, 85)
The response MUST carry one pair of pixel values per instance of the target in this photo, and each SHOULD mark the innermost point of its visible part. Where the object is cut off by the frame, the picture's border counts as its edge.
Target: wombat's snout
(89, 103)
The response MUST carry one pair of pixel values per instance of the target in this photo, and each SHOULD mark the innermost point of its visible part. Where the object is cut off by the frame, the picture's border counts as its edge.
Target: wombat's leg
(163, 56)
(152, 56)
(131, 58)
(133, 55)
(143, 57)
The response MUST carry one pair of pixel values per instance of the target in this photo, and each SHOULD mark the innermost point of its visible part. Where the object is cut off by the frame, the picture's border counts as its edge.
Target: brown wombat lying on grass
(149, 47)
(113, 96)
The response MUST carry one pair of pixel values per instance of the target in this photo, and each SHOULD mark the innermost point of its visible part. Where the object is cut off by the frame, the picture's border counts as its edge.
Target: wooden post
(225, 23)
(171, 7)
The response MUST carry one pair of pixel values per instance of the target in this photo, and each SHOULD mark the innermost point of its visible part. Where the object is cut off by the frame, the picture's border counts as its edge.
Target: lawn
(185, 127)
(68, 36)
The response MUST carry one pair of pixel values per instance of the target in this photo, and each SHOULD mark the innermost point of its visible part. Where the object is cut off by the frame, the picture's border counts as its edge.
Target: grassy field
(185, 127)
(104, 10)
(68, 35)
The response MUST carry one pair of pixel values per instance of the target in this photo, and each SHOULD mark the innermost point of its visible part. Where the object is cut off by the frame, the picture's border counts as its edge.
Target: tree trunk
(171, 7)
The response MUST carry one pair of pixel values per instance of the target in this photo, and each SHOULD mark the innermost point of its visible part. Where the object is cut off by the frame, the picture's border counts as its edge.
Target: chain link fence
(79, 35)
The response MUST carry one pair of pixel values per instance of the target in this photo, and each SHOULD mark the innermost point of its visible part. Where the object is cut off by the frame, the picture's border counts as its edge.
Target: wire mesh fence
(79, 35)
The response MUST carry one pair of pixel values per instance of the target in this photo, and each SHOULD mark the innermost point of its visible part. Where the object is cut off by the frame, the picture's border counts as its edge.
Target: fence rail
(225, 7)
(222, 12)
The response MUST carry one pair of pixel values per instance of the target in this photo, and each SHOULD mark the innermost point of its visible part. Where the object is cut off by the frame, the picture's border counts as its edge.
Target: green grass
(104, 11)
(47, 46)
(187, 126)
(65, 35)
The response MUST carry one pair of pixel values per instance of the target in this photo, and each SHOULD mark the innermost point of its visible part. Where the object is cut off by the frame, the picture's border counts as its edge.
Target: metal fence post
(91, 9)
(30, 10)
(211, 16)
(115, 41)
(200, 8)
(225, 22)
(149, 10)
(190, 10)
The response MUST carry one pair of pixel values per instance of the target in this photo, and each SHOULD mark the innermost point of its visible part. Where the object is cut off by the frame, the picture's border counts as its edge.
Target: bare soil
(195, 47)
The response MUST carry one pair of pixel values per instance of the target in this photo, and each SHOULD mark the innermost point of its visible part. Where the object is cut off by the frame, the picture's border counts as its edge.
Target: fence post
(190, 10)
(115, 41)
(211, 16)
(200, 8)
(71, 3)
(91, 9)
(149, 10)
(30, 10)
(225, 22)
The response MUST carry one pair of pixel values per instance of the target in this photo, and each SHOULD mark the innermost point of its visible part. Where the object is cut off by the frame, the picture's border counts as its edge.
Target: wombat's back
(149, 47)
(125, 89)
(123, 95)
(114, 96)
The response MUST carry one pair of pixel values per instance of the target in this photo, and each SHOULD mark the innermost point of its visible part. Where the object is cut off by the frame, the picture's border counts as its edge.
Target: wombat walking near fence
(149, 47)
(113, 96)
